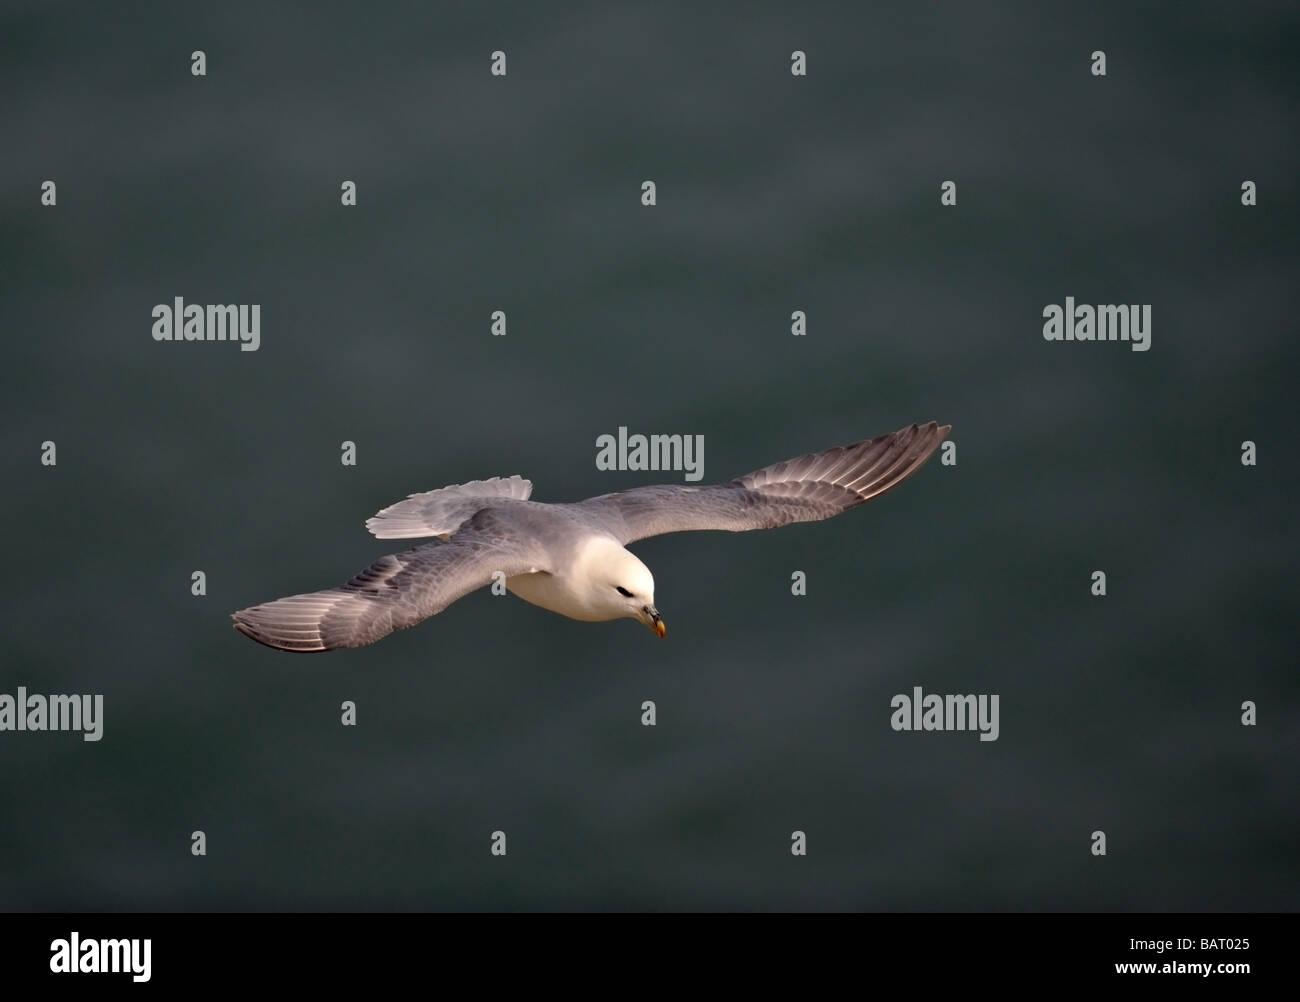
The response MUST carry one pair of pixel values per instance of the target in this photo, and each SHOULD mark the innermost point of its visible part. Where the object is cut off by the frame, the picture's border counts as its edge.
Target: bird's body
(568, 558)
(566, 588)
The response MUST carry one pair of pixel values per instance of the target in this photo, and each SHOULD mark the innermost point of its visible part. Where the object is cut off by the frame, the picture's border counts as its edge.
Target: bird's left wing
(396, 591)
(806, 489)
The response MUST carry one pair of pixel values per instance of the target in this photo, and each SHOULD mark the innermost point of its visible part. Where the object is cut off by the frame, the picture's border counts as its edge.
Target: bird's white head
(621, 586)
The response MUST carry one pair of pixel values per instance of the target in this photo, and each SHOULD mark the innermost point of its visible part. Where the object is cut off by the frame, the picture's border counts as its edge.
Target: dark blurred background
(775, 194)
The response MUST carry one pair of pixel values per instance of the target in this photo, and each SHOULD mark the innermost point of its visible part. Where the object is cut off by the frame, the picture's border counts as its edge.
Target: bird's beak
(650, 616)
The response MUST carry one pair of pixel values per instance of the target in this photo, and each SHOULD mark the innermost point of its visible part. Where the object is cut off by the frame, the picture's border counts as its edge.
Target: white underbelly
(552, 592)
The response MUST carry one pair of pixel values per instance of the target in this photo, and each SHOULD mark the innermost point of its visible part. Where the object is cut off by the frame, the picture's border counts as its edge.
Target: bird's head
(628, 587)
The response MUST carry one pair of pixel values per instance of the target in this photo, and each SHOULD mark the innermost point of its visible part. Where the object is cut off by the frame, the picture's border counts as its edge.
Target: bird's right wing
(807, 489)
(442, 512)
(394, 592)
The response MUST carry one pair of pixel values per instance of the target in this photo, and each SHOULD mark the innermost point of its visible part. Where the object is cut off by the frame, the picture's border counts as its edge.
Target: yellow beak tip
(660, 629)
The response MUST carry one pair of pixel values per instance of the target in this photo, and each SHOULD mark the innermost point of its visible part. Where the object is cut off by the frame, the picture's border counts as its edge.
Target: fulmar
(569, 558)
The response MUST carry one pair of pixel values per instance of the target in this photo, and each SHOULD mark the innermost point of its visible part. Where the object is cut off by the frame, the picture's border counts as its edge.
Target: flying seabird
(569, 558)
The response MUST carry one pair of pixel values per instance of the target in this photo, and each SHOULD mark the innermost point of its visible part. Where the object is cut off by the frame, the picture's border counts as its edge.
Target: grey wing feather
(442, 512)
(806, 489)
(395, 592)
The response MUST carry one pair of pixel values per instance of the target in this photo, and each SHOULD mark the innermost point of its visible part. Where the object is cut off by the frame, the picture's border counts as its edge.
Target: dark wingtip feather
(247, 623)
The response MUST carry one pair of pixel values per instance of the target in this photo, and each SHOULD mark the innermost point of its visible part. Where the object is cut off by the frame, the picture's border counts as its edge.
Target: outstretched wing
(807, 489)
(442, 512)
(395, 591)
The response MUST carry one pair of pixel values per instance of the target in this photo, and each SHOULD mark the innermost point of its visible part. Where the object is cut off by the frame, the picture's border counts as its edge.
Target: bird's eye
(623, 591)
